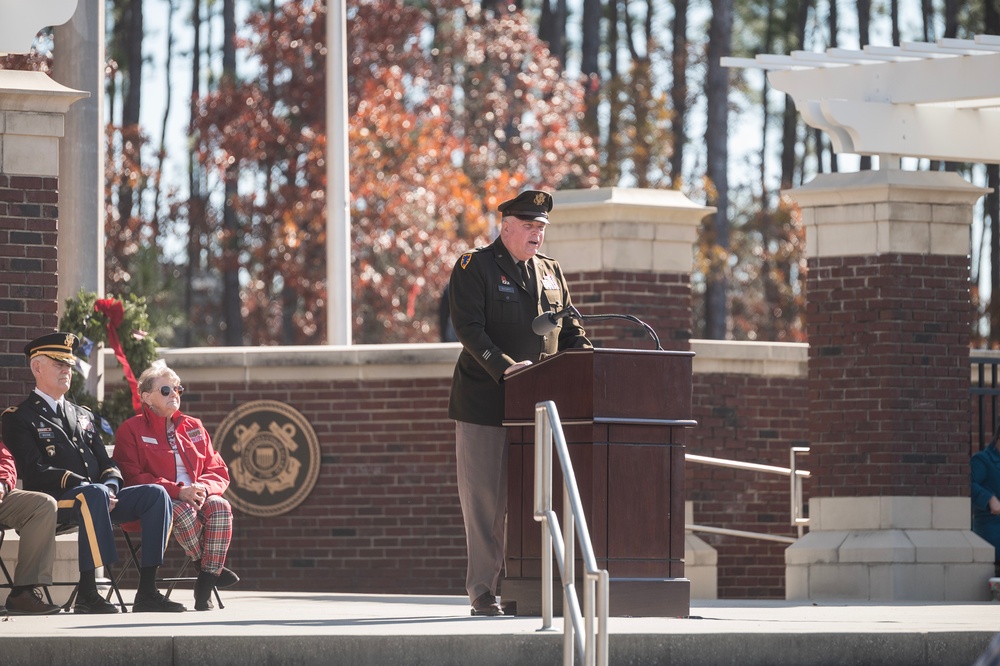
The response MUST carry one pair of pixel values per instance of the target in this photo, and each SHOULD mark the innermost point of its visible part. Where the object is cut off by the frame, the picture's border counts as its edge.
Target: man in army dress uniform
(495, 293)
(58, 449)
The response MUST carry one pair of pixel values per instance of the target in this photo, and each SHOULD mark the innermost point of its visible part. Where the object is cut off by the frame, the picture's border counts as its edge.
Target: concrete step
(332, 629)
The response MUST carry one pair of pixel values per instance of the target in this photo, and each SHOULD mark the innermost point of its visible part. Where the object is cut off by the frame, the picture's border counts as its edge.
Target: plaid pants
(205, 533)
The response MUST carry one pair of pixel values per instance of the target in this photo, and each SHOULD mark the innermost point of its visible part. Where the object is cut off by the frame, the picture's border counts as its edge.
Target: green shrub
(81, 319)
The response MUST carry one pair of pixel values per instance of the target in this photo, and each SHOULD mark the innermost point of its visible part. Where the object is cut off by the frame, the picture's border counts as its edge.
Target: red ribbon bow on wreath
(114, 311)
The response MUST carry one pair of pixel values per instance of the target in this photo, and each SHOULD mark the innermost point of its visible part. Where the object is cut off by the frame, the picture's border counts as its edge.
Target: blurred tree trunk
(864, 37)
(894, 19)
(128, 34)
(612, 162)
(161, 153)
(720, 34)
(679, 92)
(834, 26)
(767, 47)
(927, 19)
(552, 28)
(590, 50)
(196, 204)
(951, 11)
(231, 302)
(790, 120)
(640, 98)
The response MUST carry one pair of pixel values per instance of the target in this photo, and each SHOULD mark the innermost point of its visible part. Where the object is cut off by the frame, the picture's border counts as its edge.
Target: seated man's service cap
(529, 205)
(57, 346)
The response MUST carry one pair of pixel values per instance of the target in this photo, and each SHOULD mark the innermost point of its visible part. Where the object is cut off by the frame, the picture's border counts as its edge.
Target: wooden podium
(623, 413)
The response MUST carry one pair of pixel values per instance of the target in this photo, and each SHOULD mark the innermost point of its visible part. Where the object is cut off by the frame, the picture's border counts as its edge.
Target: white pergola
(936, 101)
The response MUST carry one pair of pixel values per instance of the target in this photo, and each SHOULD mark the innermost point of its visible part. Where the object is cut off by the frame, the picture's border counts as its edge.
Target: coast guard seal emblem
(273, 457)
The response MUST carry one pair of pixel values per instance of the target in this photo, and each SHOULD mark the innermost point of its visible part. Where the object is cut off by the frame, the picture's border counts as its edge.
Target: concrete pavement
(303, 629)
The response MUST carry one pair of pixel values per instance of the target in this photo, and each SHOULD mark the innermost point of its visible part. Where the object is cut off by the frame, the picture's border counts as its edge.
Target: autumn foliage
(451, 110)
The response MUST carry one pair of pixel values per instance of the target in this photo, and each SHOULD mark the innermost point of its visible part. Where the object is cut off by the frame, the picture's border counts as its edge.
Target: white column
(338, 211)
(78, 62)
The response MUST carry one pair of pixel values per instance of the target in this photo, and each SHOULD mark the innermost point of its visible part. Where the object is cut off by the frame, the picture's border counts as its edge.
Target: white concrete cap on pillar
(627, 229)
(22, 21)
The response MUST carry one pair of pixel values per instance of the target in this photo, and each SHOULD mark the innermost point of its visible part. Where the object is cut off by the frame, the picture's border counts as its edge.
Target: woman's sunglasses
(165, 390)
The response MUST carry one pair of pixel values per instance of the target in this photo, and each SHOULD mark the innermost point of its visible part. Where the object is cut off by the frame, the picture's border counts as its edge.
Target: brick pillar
(32, 109)
(628, 251)
(888, 322)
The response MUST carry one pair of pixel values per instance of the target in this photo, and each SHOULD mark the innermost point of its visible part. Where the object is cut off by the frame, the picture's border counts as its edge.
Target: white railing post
(568, 577)
(798, 520)
(583, 633)
(543, 506)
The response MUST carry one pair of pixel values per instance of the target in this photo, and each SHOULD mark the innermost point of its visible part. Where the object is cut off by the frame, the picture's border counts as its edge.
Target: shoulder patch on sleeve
(464, 261)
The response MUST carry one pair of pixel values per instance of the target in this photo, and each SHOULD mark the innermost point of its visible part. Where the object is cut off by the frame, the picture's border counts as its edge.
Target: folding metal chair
(67, 528)
(134, 546)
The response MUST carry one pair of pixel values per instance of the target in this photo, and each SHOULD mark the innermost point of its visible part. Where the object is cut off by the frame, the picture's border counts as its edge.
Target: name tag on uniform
(149, 440)
(549, 282)
(45, 433)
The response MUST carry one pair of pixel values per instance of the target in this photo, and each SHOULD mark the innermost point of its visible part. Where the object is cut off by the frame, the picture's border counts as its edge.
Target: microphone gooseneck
(547, 322)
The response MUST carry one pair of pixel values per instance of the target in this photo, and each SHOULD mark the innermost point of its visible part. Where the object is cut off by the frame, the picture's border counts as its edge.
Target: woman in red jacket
(168, 448)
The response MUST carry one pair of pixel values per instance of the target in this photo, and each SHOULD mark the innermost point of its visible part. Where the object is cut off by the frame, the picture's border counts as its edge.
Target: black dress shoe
(227, 577)
(486, 604)
(94, 604)
(155, 602)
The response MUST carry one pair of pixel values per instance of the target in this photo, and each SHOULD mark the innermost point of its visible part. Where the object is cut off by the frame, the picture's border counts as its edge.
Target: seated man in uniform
(59, 451)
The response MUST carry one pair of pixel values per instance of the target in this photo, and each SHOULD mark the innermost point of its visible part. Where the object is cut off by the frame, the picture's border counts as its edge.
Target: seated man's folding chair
(134, 546)
(61, 529)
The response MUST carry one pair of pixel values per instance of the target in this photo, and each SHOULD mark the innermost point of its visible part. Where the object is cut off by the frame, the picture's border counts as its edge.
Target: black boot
(203, 588)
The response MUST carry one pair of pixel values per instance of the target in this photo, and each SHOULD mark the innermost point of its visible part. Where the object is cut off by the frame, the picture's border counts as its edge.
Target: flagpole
(338, 212)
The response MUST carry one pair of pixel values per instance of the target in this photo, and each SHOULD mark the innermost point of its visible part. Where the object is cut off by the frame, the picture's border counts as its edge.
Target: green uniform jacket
(492, 311)
(50, 458)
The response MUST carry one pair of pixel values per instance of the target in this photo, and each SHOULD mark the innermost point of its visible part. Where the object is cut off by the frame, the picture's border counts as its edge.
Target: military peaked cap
(529, 205)
(57, 346)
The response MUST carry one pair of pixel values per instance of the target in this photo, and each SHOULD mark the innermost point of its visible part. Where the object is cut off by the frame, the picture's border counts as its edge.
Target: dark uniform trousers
(88, 507)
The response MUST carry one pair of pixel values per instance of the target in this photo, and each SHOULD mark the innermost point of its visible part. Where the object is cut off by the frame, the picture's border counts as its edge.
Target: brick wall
(662, 300)
(751, 419)
(889, 334)
(28, 274)
(384, 515)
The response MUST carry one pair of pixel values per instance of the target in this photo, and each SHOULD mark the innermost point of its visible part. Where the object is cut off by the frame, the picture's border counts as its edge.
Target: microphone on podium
(547, 322)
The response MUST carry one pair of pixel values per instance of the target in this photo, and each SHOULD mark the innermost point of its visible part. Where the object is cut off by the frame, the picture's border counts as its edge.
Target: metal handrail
(739, 533)
(795, 476)
(586, 630)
